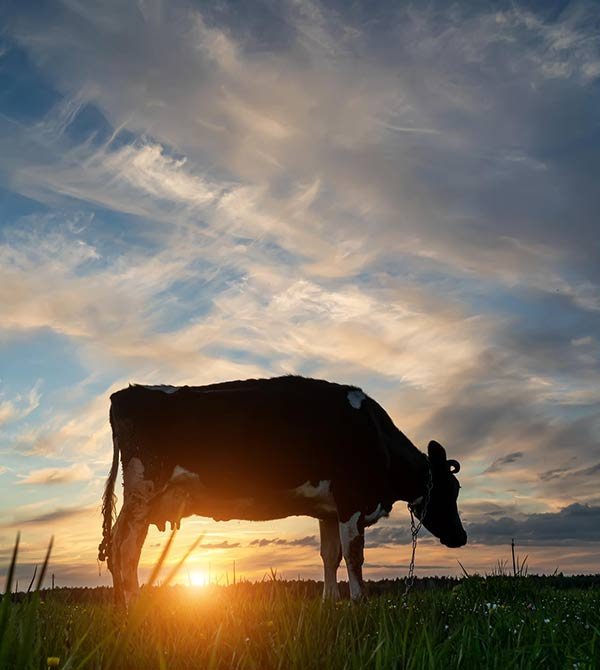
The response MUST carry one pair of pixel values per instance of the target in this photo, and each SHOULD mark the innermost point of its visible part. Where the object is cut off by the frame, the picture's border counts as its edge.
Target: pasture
(494, 622)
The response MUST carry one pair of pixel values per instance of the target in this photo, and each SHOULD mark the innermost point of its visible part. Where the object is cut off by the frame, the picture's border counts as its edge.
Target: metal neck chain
(415, 528)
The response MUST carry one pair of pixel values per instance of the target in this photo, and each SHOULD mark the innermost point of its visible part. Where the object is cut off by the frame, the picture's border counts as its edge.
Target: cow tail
(109, 501)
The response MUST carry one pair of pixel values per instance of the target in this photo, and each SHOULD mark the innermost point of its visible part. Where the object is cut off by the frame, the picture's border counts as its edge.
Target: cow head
(441, 515)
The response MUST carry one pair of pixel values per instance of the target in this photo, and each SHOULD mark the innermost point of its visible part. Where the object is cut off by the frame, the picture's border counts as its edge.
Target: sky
(397, 195)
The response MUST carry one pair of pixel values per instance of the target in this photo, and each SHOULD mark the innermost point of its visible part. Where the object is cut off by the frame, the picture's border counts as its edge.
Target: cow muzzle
(458, 540)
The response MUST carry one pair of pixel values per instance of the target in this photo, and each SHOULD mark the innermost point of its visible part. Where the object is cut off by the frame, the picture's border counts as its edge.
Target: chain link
(414, 530)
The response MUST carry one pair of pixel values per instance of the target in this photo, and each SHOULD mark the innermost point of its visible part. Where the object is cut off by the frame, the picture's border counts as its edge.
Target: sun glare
(198, 578)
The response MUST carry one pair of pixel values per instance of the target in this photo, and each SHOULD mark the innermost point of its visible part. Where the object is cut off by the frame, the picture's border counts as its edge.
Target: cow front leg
(352, 535)
(128, 537)
(331, 553)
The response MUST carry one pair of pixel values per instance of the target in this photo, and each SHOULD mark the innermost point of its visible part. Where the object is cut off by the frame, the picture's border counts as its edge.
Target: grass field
(497, 622)
(500, 622)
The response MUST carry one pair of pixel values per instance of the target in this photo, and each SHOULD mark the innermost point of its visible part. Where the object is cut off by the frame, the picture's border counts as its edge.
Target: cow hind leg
(128, 537)
(331, 553)
(352, 535)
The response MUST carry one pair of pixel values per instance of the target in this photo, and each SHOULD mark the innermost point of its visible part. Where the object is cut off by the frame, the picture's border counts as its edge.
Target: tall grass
(19, 635)
(496, 622)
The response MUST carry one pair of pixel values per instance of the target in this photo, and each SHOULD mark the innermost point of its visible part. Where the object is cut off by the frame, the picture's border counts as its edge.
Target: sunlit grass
(499, 622)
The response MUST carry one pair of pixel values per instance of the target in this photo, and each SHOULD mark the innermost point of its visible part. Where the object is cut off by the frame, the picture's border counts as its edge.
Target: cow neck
(411, 474)
(422, 479)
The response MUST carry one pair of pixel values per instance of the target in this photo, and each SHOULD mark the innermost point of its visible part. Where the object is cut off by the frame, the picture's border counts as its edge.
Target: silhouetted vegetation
(308, 588)
(476, 622)
(496, 621)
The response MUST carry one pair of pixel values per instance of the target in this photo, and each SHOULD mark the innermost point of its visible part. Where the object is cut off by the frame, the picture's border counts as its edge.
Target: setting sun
(197, 578)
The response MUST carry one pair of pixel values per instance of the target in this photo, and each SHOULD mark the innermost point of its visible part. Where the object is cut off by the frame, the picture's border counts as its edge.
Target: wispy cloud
(72, 473)
(55, 516)
(22, 406)
(575, 523)
(503, 461)
(308, 541)
(225, 544)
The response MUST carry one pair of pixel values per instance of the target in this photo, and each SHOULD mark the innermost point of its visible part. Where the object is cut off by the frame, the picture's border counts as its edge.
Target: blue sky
(401, 196)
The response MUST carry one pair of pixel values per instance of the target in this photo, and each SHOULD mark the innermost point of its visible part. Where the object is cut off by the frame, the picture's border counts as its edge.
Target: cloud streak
(572, 524)
(52, 476)
(22, 406)
(308, 541)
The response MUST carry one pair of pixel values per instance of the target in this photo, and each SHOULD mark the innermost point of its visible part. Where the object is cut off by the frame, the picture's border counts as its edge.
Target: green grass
(498, 622)
(484, 624)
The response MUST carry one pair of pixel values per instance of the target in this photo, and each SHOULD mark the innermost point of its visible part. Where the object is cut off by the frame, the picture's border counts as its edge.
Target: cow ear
(453, 466)
(437, 453)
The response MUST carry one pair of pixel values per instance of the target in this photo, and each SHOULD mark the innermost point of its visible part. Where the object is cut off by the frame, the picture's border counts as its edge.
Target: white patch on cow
(160, 387)
(135, 487)
(134, 471)
(349, 529)
(173, 501)
(130, 529)
(349, 532)
(320, 494)
(182, 475)
(171, 506)
(376, 514)
(130, 545)
(355, 398)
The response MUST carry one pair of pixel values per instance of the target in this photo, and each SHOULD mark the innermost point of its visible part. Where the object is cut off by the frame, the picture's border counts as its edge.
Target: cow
(264, 449)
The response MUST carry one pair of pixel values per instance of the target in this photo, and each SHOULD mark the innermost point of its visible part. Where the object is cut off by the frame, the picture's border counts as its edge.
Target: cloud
(56, 516)
(568, 49)
(22, 406)
(499, 463)
(7, 412)
(383, 536)
(83, 428)
(573, 524)
(225, 544)
(122, 178)
(73, 473)
(257, 133)
(561, 473)
(308, 541)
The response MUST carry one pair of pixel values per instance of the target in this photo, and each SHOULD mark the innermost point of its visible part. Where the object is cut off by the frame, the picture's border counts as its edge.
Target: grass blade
(462, 567)
(32, 579)
(162, 558)
(40, 580)
(12, 566)
(176, 569)
(6, 603)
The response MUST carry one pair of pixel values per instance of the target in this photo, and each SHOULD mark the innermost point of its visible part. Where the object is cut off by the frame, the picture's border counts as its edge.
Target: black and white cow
(267, 449)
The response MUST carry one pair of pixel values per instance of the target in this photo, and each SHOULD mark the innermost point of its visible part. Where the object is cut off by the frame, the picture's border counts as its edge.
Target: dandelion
(52, 661)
